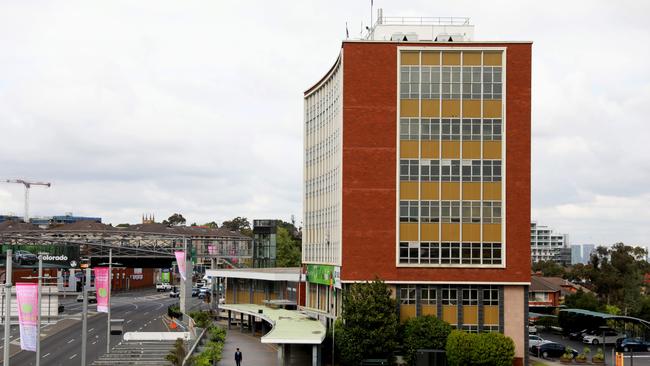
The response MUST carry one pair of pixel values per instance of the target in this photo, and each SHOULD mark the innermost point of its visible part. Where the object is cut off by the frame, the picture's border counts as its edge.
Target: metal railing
(423, 21)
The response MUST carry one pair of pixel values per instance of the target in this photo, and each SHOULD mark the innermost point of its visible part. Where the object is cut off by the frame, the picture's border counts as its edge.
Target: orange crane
(27, 185)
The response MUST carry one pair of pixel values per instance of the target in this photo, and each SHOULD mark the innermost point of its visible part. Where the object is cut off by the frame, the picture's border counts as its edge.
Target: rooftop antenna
(371, 5)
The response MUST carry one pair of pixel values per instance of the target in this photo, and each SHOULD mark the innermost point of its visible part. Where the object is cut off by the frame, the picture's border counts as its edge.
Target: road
(141, 311)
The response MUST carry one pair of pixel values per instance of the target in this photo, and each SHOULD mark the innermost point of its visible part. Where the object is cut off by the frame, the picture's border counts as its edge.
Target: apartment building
(545, 244)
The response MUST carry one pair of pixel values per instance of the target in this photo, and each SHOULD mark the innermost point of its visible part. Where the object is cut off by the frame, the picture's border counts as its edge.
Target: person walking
(238, 357)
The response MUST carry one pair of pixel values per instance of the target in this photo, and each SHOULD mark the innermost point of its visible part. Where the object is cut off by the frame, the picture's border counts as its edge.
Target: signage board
(320, 273)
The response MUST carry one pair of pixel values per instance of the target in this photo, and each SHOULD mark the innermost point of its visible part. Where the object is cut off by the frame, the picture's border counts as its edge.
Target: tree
(288, 249)
(582, 300)
(211, 225)
(240, 224)
(370, 325)
(177, 354)
(175, 220)
(424, 332)
(469, 349)
(548, 268)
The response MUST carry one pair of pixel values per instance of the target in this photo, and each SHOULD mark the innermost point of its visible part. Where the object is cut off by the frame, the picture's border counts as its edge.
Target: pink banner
(180, 259)
(101, 285)
(211, 250)
(27, 297)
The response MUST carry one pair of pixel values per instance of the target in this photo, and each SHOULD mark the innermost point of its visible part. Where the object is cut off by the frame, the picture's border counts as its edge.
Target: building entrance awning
(289, 326)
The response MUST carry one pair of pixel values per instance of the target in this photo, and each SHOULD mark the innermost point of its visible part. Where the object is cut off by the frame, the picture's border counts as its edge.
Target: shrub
(178, 353)
(202, 319)
(217, 334)
(174, 311)
(424, 332)
(494, 349)
(213, 352)
(599, 356)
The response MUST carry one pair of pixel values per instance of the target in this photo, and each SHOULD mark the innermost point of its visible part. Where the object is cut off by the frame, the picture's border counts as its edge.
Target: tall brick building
(417, 171)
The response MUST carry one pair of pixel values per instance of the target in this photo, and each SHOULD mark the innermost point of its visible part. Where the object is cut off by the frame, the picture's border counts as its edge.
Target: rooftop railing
(423, 21)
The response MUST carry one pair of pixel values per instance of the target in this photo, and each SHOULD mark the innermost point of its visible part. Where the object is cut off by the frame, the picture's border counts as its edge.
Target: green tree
(469, 349)
(211, 225)
(288, 249)
(548, 268)
(175, 220)
(178, 353)
(582, 300)
(424, 332)
(370, 325)
(240, 224)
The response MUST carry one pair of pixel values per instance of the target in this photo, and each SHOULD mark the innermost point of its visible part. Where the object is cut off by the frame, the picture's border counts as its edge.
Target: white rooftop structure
(414, 29)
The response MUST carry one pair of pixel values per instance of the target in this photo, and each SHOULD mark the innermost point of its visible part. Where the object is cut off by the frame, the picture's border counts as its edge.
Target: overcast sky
(132, 107)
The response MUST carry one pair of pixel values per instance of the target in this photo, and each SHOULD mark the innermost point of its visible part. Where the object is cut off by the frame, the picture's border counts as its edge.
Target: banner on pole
(212, 250)
(27, 298)
(180, 258)
(101, 284)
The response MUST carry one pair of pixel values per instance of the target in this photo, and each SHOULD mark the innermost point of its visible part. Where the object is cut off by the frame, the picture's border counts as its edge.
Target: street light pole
(84, 318)
(38, 330)
(8, 264)
(110, 280)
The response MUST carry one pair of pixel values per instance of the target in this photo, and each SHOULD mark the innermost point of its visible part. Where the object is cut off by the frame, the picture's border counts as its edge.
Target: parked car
(604, 337)
(532, 329)
(551, 349)
(195, 292)
(174, 293)
(535, 340)
(163, 286)
(92, 297)
(578, 335)
(632, 345)
(24, 257)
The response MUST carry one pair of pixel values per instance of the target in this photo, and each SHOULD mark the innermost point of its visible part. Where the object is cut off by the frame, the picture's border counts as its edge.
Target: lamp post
(38, 306)
(110, 284)
(7, 306)
(84, 318)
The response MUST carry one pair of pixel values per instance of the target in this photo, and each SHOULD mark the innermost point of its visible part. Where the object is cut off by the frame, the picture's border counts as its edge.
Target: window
(491, 212)
(409, 82)
(472, 82)
(471, 253)
(471, 170)
(450, 211)
(430, 253)
(491, 170)
(471, 129)
(407, 295)
(449, 253)
(472, 211)
(428, 295)
(408, 211)
(492, 130)
(408, 128)
(491, 253)
(430, 170)
(470, 296)
(470, 328)
(430, 82)
(430, 129)
(491, 296)
(492, 82)
(408, 252)
(449, 296)
(408, 169)
(429, 211)
(450, 82)
(450, 129)
(450, 170)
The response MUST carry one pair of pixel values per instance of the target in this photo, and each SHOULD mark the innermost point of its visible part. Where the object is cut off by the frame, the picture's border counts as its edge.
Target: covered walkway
(288, 327)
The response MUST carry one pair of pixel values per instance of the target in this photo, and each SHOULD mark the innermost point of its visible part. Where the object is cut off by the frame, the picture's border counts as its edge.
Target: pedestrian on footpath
(238, 357)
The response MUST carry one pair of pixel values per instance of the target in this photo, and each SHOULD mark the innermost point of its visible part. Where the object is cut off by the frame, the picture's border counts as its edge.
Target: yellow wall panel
(472, 108)
(408, 231)
(408, 149)
(451, 108)
(429, 191)
(429, 232)
(471, 149)
(470, 314)
(450, 232)
(431, 149)
(427, 309)
(243, 297)
(408, 190)
(430, 58)
(408, 108)
(451, 149)
(471, 232)
(471, 191)
(430, 108)
(406, 311)
(230, 299)
(492, 191)
(451, 58)
(491, 232)
(491, 149)
(450, 191)
(472, 58)
(450, 314)
(491, 108)
(491, 315)
(410, 58)
(492, 58)
(258, 298)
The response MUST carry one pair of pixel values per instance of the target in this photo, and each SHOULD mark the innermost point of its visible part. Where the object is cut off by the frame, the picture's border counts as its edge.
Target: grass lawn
(537, 363)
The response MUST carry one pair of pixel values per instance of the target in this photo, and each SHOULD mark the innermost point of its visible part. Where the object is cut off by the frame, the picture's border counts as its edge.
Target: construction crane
(27, 185)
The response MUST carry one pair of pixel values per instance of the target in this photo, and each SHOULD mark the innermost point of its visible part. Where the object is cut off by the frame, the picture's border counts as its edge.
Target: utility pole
(38, 331)
(110, 280)
(84, 318)
(27, 185)
(7, 306)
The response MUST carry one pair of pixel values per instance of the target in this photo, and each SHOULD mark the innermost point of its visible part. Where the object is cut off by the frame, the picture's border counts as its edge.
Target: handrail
(189, 353)
(424, 20)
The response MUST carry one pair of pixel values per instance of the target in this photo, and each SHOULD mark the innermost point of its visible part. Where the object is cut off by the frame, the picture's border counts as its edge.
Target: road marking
(70, 341)
(73, 356)
(90, 330)
(45, 355)
(146, 313)
(94, 342)
(128, 321)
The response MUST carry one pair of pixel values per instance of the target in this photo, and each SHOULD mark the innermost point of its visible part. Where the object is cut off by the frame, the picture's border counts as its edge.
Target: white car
(532, 329)
(163, 287)
(607, 337)
(535, 340)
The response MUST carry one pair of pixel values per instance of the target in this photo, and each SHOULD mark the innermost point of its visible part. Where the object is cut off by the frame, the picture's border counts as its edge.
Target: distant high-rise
(576, 254)
(587, 251)
(545, 244)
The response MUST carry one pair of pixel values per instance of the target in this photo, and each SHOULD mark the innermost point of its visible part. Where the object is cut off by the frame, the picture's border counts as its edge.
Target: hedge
(485, 349)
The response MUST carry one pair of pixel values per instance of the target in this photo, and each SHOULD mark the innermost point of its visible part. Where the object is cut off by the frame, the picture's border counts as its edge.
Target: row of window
(449, 295)
(450, 211)
(450, 253)
(451, 129)
(449, 170)
(450, 82)
(323, 149)
(325, 183)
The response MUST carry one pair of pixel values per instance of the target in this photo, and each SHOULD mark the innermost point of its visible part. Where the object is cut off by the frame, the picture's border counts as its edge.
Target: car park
(532, 329)
(604, 337)
(632, 345)
(578, 335)
(535, 340)
(551, 349)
